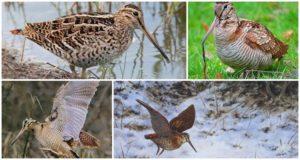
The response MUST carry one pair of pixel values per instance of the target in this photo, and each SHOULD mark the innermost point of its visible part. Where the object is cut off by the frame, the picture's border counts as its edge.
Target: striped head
(225, 11)
(187, 139)
(27, 124)
(134, 15)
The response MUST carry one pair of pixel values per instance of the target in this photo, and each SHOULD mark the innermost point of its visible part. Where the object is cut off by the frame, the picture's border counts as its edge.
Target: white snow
(240, 132)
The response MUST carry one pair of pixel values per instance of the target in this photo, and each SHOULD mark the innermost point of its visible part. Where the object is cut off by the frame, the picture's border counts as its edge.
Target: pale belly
(51, 139)
(240, 55)
(168, 143)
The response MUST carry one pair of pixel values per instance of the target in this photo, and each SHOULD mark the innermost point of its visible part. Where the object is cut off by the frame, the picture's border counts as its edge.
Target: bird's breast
(233, 51)
(169, 143)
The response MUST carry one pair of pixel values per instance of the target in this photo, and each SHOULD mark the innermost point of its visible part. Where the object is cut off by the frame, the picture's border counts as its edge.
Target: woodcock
(62, 131)
(88, 39)
(243, 43)
(170, 136)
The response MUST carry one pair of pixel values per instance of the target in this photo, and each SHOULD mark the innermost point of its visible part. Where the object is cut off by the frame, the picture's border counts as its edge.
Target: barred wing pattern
(185, 120)
(159, 123)
(70, 107)
(258, 36)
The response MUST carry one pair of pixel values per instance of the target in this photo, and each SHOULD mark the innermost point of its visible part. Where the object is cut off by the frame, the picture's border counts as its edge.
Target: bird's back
(82, 39)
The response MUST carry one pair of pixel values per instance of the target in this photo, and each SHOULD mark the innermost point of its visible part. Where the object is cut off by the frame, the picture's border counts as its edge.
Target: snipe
(243, 43)
(88, 39)
(62, 130)
(170, 135)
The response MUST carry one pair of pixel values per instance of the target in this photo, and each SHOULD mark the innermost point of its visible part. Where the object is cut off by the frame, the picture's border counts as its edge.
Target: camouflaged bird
(89, 39)
(243, 43)
(170, 135)
(62, 131)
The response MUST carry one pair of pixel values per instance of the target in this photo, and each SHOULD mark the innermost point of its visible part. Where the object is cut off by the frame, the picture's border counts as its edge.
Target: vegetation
(280, 18)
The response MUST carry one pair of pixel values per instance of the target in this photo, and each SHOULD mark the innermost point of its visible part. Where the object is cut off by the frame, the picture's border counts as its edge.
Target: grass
(280, 18)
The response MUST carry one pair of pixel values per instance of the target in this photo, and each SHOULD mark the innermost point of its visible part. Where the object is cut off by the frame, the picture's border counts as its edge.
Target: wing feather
(159, 123)
(70, 107)
(259, 37)
(185, 120)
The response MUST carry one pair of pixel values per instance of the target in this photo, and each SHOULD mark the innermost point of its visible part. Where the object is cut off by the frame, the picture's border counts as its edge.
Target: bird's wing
(70, 32)
(159, 123)
(70, 107)
(259, 37)
(185, 120)
(88, 141)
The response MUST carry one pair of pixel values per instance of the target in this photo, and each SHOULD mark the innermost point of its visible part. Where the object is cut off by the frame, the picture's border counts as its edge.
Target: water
(141, 61)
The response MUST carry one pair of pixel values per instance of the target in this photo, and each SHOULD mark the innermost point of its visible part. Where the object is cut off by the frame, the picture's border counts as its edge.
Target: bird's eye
(225, 7)
(136, 13)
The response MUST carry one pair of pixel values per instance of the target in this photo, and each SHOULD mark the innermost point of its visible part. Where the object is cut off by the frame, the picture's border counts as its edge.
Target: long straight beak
(192, 145)
(18, 136)
(154, 42)
(211, 28)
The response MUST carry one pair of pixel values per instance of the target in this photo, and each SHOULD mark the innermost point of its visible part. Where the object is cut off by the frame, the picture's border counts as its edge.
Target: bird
(170, 135)
(88, 39)
(243, 43)
(62, 132)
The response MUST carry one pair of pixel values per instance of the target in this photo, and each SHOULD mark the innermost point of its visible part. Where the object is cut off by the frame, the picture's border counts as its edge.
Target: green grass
(279, 18)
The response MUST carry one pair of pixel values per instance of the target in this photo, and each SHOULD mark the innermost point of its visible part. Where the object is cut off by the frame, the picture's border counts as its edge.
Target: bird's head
(224, 11)
(27, 124)
(134, 15)
(187, 139)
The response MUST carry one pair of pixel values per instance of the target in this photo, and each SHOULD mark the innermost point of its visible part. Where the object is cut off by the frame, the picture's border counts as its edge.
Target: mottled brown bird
(170, 135)
(243, 43)
(62, 131)
(89, 39)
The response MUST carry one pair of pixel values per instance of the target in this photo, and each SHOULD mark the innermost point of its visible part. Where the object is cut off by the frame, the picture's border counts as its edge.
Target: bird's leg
(161, 152)
(83, 73)
(72, 68)
(157, 150)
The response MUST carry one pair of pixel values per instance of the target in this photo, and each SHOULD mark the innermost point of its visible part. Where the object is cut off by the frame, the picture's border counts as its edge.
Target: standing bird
(88, 39)
(62, 130)
(243, 43)
(170, 136)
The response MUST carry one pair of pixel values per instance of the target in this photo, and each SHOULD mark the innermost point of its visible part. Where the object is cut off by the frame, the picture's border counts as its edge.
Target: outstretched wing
(70, 107)
(259, 37)
(159, 123)
(185, 120)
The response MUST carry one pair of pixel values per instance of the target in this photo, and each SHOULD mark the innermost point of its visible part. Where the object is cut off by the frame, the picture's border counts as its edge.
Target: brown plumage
(170, 136)
(89, 39)
(243, 43)
(62, 131)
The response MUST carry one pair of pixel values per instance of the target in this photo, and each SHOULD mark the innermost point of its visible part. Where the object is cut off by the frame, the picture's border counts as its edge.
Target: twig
(26, 143)
(94, 74)
(57, 67)
(22, 51)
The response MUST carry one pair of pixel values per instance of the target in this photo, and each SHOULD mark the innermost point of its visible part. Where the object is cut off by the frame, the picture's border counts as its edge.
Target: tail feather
(16, 32)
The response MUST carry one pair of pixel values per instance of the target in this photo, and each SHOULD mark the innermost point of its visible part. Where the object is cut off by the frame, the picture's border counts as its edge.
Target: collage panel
(70, 120)
(115, 79)
(243, 40)
(97, 40)
(194, 119)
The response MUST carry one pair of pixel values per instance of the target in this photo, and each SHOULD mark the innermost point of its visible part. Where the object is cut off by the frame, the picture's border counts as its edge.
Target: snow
(239, 131)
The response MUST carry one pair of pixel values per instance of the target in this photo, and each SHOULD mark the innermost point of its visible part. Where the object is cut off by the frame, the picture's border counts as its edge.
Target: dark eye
(225, 7)
(136, 13)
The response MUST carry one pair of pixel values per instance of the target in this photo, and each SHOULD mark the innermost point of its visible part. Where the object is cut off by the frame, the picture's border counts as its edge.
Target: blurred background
(22, 100)
(167, 21)
(280, 18)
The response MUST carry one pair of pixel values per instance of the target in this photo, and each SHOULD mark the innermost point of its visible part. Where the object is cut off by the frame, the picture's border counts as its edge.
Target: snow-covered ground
(229, 121)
